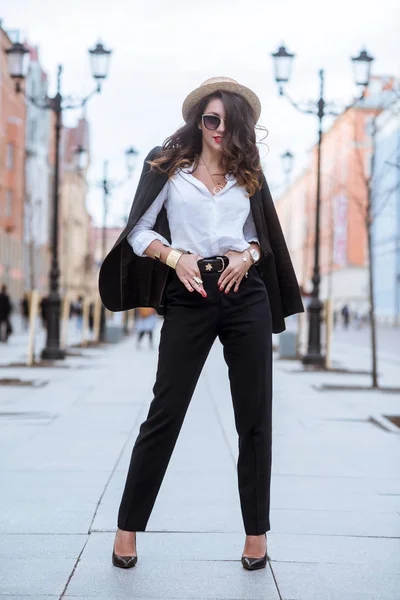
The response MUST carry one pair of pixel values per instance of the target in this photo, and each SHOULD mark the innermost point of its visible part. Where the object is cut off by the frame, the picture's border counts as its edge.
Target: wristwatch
(255, 255)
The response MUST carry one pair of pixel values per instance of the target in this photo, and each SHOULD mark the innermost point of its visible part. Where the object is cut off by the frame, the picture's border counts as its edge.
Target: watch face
(255, 254)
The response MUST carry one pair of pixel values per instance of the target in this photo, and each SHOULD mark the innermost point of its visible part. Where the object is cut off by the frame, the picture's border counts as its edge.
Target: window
(33, 88)
(10, 157)
(9, 202)
(32, 131)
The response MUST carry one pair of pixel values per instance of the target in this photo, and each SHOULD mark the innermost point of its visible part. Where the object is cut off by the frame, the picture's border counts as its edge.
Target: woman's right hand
(186, 269)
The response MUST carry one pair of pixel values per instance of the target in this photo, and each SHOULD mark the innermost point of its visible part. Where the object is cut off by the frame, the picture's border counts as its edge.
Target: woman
(203, 245)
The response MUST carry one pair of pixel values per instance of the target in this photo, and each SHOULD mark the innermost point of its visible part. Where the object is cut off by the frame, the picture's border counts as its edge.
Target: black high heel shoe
(124, 562)
(252, 563)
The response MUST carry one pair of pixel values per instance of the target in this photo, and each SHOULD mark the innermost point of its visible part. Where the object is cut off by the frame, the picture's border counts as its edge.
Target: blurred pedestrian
(145, 322)
(5, 313)
(91, 317)
(43, 306)
(25, 311)
(204, 214)
(345, 316)
(77, 309)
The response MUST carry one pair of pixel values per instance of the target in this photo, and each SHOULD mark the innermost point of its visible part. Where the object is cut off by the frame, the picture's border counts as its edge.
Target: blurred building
(293, 208)
(111, 236)
(386, 226)
(346, 153)
(38, 179)
(12, 177)
(75, 222)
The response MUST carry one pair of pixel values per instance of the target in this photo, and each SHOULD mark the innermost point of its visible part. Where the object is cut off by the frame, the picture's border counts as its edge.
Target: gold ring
(197, 280)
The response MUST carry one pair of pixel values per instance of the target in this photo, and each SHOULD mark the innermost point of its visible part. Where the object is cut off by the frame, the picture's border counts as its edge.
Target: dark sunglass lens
(211, 122)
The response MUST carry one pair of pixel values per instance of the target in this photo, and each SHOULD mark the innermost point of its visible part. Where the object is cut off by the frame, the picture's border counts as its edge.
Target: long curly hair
(240, 156)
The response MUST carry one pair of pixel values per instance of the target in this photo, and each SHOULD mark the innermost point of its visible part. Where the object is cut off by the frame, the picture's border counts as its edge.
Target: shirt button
(261, 274)
(265, 253)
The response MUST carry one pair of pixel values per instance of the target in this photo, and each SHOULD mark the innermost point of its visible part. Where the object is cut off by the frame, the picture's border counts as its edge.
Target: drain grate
(389, 423)
(395, 419)
(14, 381)
(332, 387)
(27, 415)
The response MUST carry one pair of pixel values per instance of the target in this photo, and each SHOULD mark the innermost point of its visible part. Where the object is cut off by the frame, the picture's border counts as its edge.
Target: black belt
(214, 264)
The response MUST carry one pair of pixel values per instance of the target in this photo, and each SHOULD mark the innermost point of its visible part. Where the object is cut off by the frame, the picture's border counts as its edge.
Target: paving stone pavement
(64, 452)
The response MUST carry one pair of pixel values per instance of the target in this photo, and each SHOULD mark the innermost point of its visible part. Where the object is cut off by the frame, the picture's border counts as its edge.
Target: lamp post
(18, 67)
(283, 64)
(107, 185)
(287, 162)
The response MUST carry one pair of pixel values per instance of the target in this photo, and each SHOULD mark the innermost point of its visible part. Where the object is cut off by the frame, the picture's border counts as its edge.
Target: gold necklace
(218, 187)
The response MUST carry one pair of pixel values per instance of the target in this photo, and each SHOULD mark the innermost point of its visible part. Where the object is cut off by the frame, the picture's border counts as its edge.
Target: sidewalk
(352, 349)
(15, 350)
(64, 453)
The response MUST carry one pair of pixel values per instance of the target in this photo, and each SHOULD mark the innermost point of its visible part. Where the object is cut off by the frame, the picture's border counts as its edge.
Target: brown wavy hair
(241, 157)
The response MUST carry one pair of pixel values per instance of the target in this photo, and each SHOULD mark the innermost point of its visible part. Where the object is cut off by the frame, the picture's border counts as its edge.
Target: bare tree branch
(388, 193)
(390, 164)
(359, 157)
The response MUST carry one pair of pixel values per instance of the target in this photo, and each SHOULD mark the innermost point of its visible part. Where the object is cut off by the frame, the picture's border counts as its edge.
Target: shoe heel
(123, 562)
(253, 564)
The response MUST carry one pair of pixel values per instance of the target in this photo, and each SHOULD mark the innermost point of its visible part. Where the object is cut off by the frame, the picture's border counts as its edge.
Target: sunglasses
(211, 122)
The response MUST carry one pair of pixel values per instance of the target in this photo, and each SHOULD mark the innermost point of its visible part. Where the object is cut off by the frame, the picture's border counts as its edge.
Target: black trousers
(242, 321)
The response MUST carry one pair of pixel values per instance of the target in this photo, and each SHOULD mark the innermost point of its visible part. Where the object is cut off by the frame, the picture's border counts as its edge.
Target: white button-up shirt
(199, 222)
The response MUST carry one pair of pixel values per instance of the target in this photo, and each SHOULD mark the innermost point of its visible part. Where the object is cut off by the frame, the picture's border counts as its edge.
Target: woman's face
(213, 138)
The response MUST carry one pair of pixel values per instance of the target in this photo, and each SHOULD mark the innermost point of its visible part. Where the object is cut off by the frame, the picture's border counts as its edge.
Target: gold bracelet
(173, 258)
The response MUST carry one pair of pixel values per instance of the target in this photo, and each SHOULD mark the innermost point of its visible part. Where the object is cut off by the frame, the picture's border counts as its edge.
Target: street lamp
(283, 66)
(287, 161)
(18, 62)
(108, 186)
(131, 156)
(18, 67)
(81, 158)
(362, 67)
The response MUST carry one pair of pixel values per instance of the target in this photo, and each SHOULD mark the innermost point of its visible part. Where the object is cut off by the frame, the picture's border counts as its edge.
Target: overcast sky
(162, 49)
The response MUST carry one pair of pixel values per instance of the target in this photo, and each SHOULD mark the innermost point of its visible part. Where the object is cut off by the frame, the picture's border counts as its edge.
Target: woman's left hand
(235, 271)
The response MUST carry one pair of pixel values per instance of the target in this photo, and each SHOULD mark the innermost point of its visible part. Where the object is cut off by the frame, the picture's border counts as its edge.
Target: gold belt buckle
(222, 262)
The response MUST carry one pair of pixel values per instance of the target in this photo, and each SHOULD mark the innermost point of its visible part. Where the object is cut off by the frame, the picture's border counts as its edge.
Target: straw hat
(225, 84)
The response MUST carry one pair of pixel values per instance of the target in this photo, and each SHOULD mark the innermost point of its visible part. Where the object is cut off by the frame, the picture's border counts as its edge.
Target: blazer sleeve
(142, 234)
(249, 229)
(138, 198)
(288, 285)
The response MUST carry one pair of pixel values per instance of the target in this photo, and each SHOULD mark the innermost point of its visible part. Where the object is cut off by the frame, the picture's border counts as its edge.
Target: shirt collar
(185, 174)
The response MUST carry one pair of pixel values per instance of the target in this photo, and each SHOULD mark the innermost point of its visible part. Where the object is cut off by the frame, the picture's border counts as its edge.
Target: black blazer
(128, 281)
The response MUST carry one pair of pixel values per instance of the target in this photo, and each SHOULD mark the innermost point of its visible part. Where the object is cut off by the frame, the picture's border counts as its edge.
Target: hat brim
(205, 90)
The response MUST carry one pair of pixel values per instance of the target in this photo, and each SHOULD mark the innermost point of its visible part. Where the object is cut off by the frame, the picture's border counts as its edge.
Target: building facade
(75, 222)
(12, 177)
(37, 180)
(345, 167)
(111, 236)
(386, 215)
